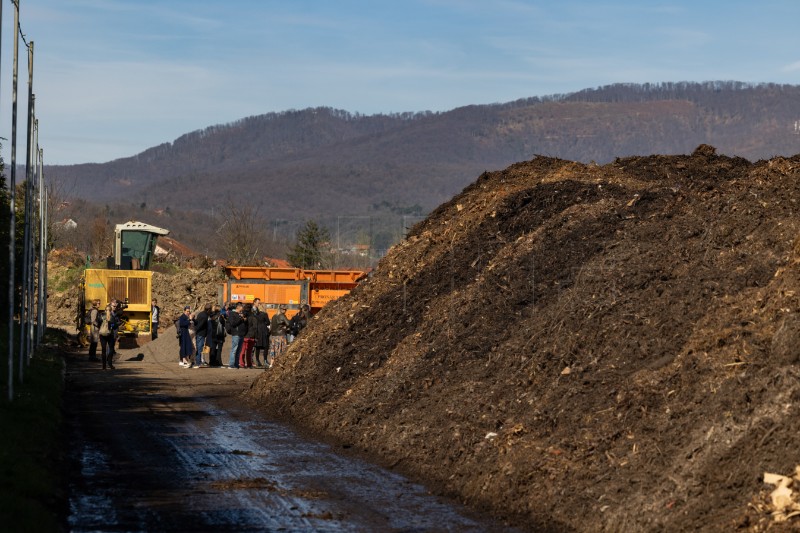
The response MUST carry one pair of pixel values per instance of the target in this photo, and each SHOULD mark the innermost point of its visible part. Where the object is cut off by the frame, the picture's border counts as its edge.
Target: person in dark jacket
(155, 314)
(278, 328)
(184, 338)
(116, 308)
(238, 328)
(262, 335)
(107, 339)
(201, 333)
(249, 341)
(217, 336)
(298, 322)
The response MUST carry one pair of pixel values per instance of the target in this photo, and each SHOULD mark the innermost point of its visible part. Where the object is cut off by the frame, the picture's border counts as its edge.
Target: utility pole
(25, 303)
(40, 285)
(46, 226)
(12, 199)
(32, 232)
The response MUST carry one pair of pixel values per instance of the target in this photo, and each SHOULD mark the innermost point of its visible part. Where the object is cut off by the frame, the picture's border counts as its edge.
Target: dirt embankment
(579, 346)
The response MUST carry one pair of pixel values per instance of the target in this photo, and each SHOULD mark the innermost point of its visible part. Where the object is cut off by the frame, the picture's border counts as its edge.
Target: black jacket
(279, 325)
(201, 324)
(217, 334)
(297, 323)
(262, 329)
(238, 324)
(252, 326)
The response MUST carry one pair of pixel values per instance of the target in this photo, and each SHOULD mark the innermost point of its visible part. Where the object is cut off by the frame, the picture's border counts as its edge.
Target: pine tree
(308, 250)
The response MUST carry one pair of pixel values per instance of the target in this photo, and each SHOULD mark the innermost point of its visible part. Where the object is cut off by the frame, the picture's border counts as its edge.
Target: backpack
(98, 321)
(220, 332)
(228, 328)
(105, 329)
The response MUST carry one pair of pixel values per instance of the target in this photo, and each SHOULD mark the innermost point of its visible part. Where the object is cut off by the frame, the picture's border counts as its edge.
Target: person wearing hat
(184, 339)
(277, 335)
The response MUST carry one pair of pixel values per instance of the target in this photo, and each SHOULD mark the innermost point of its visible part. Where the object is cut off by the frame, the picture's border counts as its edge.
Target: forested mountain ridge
(322, 162)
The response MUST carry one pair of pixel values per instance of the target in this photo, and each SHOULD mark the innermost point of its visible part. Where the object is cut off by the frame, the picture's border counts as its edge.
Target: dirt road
(154, 446)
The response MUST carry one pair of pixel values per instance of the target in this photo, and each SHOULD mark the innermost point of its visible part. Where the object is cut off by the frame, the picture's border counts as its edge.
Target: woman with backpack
(216, 336)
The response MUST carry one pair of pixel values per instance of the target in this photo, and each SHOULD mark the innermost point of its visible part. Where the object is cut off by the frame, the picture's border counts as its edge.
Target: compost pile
(575, 346)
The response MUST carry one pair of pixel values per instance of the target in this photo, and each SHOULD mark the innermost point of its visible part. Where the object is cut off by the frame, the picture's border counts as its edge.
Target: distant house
(356, 249)
(67, 224)
(169, 246)
(276, 263)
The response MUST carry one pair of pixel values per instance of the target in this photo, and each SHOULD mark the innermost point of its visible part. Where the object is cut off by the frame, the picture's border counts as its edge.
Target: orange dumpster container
(290, 286)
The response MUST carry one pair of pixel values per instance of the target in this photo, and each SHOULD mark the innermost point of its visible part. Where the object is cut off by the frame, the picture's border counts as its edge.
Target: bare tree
(100, 238)
(60, 194)
(241, 231)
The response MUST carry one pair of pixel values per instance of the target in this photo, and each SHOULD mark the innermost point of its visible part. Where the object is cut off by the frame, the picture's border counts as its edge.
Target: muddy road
(154, 447)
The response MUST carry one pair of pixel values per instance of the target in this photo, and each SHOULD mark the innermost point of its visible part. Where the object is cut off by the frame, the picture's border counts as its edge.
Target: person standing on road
(116, 309)
(154, 314)
(238, 328)
(201, 332)
(184, 339)
(95, 321)
(262, 334)
(106, 333)
(249, 341)
(217, 336)
(277, 335)
(298, 322)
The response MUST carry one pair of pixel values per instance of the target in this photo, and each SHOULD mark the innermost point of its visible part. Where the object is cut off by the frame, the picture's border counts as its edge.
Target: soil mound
(577, 346)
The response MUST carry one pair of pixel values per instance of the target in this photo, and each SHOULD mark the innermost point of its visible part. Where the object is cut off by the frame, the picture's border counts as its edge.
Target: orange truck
(290, 286)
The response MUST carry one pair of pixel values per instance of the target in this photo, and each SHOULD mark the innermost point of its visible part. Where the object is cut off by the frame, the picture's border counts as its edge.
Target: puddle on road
(260, 476)
(89, 510)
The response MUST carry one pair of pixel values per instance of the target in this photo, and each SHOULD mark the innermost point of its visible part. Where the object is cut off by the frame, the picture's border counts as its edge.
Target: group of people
(104, 326)
(252, 332)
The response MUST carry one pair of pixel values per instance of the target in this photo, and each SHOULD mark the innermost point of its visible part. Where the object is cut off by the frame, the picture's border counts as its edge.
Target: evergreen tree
(308, 251)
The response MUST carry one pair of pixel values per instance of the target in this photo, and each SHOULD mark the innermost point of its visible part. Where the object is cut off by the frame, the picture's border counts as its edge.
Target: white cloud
(791, 67)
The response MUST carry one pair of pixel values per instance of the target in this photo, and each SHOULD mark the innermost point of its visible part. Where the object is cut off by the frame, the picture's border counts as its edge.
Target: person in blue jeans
(238, 329)
(201, 333)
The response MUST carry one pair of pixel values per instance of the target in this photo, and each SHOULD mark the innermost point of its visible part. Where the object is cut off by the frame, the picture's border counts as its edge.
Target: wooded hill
(323, 162)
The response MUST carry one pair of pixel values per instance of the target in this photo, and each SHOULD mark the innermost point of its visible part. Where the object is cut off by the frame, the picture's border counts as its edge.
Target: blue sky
(115, 77)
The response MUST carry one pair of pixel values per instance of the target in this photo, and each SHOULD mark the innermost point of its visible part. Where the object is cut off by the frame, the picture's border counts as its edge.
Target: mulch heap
(573, 346)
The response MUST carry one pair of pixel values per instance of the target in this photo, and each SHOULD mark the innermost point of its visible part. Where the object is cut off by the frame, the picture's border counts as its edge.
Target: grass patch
(67, 279)
(166, 268)
(31, 456)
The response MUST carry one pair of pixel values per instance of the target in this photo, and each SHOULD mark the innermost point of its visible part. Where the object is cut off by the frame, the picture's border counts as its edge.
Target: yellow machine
(127, 277)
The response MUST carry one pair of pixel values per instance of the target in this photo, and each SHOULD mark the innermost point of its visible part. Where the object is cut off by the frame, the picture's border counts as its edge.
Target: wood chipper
(290, 286)
(127, 277)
